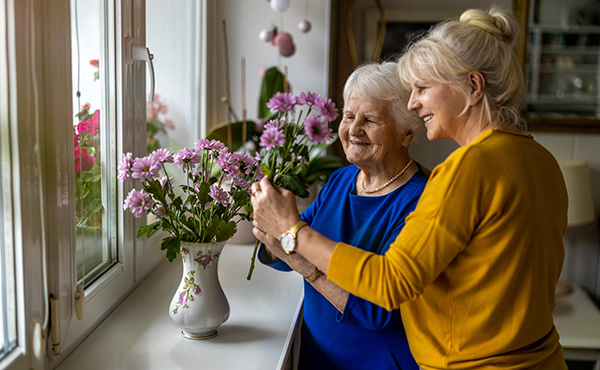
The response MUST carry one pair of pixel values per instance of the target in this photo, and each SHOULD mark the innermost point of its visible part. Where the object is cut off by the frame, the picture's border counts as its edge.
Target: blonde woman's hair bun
(495, 22)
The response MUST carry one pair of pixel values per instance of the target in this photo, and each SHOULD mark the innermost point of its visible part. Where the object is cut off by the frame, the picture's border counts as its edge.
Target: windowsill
(257, 335)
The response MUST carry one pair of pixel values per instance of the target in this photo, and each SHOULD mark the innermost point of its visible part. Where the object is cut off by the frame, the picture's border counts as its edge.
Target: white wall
(307, 68)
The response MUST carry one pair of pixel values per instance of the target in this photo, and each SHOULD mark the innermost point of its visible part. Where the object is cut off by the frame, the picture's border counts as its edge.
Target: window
(64, 203)
(93, 139)
(8, 302)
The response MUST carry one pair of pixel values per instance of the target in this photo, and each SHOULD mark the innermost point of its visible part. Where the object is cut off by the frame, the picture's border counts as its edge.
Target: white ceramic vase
(199, 305)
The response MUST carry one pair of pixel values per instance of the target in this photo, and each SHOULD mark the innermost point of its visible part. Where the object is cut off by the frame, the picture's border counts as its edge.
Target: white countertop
(257, 335)
(259, 331)
(577, 320)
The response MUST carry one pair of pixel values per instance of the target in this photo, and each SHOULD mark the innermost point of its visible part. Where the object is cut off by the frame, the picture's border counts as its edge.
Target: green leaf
(92, 175)
(225, 230)
(316, 150)
(272, 83)
(172, 245)
(203, 196)
(294, 184)
(266, 170)
(237, 128)
(94, 206)
(241, 197)
(148, 230)
(321, 168)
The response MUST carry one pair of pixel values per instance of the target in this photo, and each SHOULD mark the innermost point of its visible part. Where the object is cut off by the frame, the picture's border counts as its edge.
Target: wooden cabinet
(560, 55)
(563, 71)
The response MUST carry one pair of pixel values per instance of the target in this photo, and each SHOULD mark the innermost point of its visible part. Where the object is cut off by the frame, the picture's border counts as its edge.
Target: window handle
(142, 54)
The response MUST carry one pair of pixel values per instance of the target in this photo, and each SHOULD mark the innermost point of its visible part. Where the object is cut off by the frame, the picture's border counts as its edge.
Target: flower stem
(252, 260)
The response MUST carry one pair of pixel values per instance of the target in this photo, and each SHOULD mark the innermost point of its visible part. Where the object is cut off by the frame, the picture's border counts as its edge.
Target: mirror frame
(552, 124)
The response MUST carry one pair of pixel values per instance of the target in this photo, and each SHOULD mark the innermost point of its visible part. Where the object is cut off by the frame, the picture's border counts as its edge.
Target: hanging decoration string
(79, 158)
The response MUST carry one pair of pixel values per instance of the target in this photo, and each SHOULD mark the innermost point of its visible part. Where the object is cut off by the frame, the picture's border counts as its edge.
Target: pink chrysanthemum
(166, 183)
(227, 162)
(317, 130)
(138, 202)
(160, 212)
(283, 102)
(162, 155)
(125, 167)
(272, 137)
(218, 194)
(145, 168)
(240, 182)
(327, 108)
(245, 163)
(210, 144)
(308, 98)
(274, 123)
(186, 157)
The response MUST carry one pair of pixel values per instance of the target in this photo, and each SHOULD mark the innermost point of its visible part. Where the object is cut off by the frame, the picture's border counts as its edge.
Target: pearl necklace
(362, 183)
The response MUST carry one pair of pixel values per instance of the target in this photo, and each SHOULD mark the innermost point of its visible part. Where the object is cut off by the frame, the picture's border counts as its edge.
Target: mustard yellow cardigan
(475, 267)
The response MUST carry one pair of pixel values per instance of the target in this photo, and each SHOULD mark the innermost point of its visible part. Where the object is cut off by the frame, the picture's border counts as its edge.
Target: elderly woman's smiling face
(368, 132)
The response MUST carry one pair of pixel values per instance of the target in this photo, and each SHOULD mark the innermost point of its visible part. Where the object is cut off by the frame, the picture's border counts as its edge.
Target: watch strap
(314, 276)
(294, 230)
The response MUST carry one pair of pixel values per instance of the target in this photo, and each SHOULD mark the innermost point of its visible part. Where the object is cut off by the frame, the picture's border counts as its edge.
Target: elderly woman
(474, 269)
(362, 204)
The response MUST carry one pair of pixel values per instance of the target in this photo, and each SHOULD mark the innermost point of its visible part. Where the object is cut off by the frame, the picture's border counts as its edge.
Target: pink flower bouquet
(202, 210)
(291, 142)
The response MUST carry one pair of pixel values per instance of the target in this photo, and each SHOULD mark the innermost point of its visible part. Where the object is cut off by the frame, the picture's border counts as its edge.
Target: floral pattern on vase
(199, 305)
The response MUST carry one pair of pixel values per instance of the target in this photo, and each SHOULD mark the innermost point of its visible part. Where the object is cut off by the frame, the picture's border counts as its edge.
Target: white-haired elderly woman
(362, 204)
(475, 267)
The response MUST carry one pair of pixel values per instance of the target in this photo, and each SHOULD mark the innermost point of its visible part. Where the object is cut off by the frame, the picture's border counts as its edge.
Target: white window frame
(38, 84)
(127, 97)
(15, 358)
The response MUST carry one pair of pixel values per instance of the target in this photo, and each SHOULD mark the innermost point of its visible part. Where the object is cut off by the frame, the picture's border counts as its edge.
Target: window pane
(8, 319)
(8, 315)
(93, 137)
(172, 37)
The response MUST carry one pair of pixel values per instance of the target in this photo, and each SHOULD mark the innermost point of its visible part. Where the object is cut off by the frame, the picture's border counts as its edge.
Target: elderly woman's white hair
(380, 82)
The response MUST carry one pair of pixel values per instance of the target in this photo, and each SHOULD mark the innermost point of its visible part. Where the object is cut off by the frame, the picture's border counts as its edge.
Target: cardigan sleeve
(362, 313)
(435, 233)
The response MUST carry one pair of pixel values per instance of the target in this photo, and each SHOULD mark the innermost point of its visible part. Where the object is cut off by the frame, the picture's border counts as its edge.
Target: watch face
(288, 243)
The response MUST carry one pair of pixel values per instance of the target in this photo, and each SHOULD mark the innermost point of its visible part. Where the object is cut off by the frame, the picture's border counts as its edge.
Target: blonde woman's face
(440, 107)
(369, 134)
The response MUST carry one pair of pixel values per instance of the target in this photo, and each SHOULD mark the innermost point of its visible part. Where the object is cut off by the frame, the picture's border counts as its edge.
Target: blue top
(365, 336)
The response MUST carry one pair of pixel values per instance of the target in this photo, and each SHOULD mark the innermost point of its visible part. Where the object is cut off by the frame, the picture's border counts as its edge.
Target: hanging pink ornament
(285, 44)
(266, 35)
(304, 26)
(280, 5)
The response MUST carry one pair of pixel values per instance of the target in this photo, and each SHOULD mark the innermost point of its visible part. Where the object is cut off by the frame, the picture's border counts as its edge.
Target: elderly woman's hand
(275, 210)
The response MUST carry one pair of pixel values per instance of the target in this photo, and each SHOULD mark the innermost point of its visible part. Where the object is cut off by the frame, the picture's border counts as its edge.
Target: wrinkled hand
(275, 211)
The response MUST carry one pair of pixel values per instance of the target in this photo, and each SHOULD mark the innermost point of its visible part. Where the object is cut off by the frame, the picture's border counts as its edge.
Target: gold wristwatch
(288, 239)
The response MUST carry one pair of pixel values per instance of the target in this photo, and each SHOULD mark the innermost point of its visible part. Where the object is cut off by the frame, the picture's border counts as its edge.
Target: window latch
(142, 54)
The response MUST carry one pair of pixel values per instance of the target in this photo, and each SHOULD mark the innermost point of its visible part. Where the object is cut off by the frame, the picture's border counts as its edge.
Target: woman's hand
(275, 211)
